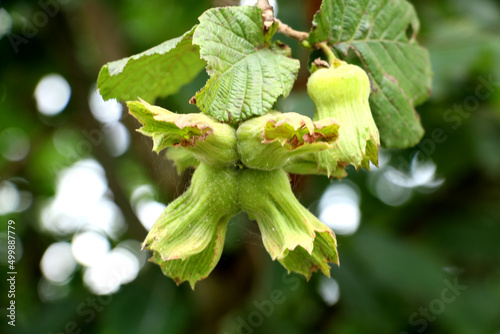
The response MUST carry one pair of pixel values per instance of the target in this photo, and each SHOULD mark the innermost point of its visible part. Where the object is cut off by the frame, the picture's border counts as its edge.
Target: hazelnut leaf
(157, 72)
(247, 71)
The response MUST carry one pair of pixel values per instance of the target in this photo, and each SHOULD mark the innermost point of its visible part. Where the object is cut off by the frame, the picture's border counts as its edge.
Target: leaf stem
(334, 61)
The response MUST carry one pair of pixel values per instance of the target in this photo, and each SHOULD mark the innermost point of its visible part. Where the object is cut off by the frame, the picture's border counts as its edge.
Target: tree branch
(288, 31)
(269, 19)
(267, 13)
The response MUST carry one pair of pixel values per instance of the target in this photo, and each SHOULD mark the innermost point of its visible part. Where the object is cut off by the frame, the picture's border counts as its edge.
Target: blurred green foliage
(400, 261)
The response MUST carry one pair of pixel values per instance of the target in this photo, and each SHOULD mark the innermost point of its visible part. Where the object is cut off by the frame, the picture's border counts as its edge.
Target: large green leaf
(247, 71)
(382, 35)
(157, 72)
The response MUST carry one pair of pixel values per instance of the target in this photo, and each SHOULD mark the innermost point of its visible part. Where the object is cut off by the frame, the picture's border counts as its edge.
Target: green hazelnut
(342, 92)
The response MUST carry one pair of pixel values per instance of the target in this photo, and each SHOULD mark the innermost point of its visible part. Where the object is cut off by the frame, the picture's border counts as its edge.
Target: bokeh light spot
(14, 144)
(5, 22)
(9, 197)
(117, 139)
(52, 94)
(339, 208)
(82, 202)
(422, 174)
(58, 263)
(148, 212)
(89, 247)
(135, 247)
(329, 290)
(390, 193)
(118, 267)
(107, 112)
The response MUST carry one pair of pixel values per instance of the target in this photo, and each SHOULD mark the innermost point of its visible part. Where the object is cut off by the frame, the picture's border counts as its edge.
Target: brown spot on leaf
(295, 142)
(342, 164)
(393, 79)
(312, 138)
(229, 117)
(193, 140)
